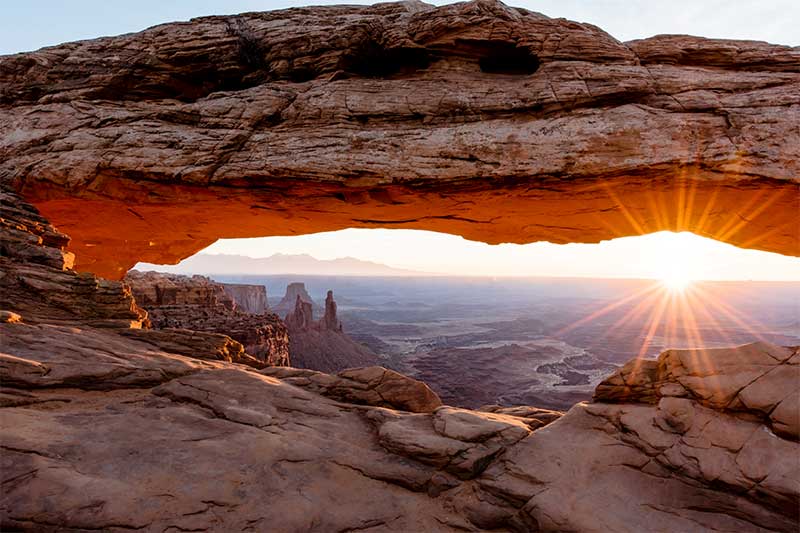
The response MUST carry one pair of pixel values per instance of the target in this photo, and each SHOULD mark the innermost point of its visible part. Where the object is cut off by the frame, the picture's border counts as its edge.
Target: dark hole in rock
(506, 58)
(299, 75)
(251, 50)
(372, 60)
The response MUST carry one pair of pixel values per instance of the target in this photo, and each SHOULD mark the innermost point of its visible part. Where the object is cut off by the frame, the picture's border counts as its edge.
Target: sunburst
(669, 308)
(677, 281)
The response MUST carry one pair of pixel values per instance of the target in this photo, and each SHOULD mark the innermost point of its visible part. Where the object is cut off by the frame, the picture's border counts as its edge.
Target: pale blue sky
(30, 24)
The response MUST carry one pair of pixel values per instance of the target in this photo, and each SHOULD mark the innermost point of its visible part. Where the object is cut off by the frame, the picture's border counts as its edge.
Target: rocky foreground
(104, 430)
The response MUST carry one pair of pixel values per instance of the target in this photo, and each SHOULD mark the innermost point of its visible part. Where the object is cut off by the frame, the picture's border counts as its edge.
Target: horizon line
(421, 274)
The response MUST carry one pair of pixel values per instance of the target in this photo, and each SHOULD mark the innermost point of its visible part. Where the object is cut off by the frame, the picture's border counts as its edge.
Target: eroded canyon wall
(249, 298)
(199, 304)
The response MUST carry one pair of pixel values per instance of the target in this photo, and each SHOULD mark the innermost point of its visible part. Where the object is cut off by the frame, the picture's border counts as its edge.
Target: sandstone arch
(478, 119)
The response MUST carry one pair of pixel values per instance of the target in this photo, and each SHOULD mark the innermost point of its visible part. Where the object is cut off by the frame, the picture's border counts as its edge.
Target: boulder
(758, 379)
(375, 385)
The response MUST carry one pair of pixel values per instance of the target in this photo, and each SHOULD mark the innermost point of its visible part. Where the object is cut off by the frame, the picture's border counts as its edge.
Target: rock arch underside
(494, 123)
(478, 119)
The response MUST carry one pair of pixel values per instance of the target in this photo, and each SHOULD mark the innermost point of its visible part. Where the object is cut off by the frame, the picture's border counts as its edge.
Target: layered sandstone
(370, 386)
(36, 277)
(248, 298)
(196, 303)
(697, 458)
(294, 291)
(322, 344)
(478, 119)
(760, 380)
(112, 429)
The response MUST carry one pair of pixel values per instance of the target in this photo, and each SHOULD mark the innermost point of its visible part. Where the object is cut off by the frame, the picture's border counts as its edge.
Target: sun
(676, 281)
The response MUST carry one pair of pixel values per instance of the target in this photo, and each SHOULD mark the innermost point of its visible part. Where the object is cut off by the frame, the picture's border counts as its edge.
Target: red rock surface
(322, 344)
(374, 385)
(248, 298)
(105, 429)
(99, 424)
(478, 119)
(196, 303)
(37, 280)
(759, 379)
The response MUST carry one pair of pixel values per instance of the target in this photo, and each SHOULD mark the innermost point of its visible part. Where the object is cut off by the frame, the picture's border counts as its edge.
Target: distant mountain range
(301, 264)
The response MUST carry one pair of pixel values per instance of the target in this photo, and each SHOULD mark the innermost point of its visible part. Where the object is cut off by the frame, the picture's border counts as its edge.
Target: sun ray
(636, 312)
(686, 219)
(656, 210)
(651, 327)
(745, 216)
(630, 316)
(625, 213)
(607, 309)
(672, 318)
(697, 303)
(736, 318)
(710, 204)
(761, 237)
(699, 351)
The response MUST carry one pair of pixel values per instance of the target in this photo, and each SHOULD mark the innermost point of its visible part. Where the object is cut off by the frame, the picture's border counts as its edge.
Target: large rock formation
(150, 145)
(322, 344)
(302, 318)
(158, 291)
(479, 119)
(294, 291)
(196, 303)
(688, 447)
(760, 380)
(37, 280)
(248, 298)
(371, 386)
(330, 319)
(39, 285)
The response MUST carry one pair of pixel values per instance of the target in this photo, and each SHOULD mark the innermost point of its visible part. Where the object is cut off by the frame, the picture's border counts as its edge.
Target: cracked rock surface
(102, 431)
(374, 385)
(478, 119)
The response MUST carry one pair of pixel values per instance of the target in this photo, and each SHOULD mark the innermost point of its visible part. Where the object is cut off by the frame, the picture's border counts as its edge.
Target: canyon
(149, 146)
(198, 304)
(160, 440)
